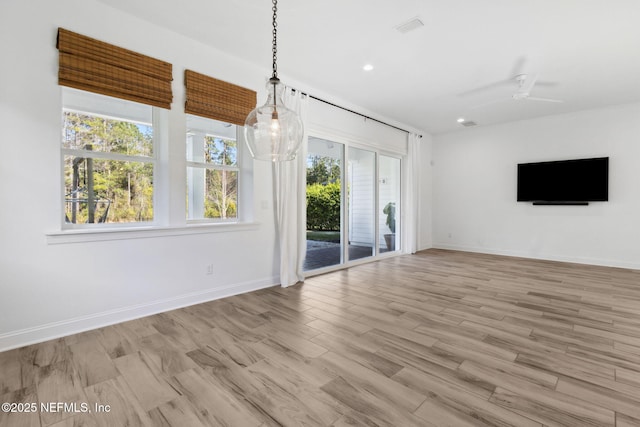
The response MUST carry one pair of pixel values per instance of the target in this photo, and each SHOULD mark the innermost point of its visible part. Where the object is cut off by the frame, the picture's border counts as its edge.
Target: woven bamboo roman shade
(218, 100)
(95, 66)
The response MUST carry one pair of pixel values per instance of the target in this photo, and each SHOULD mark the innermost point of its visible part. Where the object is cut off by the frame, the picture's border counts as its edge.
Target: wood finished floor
(439, 338)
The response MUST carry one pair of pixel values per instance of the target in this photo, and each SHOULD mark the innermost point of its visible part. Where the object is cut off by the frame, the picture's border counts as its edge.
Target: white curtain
(412, 167)
(289, 183)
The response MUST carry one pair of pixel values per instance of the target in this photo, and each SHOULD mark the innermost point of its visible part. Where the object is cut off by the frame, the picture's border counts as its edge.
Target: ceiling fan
(525, 84)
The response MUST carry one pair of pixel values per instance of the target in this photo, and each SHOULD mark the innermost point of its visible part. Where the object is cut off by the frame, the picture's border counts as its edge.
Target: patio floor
(324, 254)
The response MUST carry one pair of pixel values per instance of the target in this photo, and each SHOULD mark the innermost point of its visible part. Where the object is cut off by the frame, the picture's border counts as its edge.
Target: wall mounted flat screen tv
(564, 182)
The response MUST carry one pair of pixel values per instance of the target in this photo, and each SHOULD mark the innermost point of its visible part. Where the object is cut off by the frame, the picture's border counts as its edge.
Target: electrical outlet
(209, 269)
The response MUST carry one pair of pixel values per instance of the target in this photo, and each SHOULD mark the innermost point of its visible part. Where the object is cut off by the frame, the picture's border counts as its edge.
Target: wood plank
(365, 378)
(549, 411)
(420, 357)
(176, 413)
(124, 408)
(239, 351)
(80, 420)
(92, 362)
(302, 346)
(364, 357)
(59, 382)
(370, 407)
(625, 421)
(627, 376)
(438, 414)
(289, 398)
(17, 372)
(618, 397)
(215, 406)
(176, 332)
(539, 403)
(351, 327)
(164, 354)
(453, 402)
(115, 344)
(563, 364)
(225, 371)
(303, 366)
(149, 386)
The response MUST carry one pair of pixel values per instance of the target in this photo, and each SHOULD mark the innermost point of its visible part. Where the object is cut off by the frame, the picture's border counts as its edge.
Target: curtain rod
(356, 113)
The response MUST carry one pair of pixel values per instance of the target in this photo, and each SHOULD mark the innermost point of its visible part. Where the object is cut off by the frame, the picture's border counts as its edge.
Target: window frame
(82, 107)
(238, 169)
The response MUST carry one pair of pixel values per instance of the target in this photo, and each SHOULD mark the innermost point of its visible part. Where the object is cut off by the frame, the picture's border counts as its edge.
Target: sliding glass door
(362, 201)
(389, 203)
(324, 204)
(353, 204)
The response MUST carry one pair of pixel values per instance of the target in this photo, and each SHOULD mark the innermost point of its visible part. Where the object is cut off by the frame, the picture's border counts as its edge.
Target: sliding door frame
(349, 142)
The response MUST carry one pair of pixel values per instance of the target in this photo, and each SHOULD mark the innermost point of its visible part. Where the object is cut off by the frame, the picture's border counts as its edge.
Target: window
(109, 159)
(215, 110)
(108, 142)
(213, 169)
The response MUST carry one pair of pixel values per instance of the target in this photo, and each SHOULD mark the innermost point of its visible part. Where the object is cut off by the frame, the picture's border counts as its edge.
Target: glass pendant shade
(273, 132)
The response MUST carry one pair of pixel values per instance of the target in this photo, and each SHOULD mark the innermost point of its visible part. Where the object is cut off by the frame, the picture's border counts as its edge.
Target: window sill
(93, 235)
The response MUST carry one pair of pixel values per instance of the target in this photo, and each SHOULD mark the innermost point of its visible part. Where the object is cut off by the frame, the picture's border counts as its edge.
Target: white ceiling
(589, 48)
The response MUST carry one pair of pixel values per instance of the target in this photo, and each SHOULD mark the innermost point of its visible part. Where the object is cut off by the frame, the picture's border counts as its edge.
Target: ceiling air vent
(468, 123)
(410, 25)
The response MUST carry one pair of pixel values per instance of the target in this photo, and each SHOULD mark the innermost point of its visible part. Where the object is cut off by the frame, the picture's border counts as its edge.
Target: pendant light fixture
(272, 131)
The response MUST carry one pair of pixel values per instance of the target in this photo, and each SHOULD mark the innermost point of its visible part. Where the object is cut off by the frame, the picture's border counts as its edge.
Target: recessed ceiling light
(367, 67)
(461, 120)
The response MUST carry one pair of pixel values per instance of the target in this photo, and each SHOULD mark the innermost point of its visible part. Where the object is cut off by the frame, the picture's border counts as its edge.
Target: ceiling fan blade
(546, 83)
(528, 83)
(534, 98)
(500, 83)
(518, 67)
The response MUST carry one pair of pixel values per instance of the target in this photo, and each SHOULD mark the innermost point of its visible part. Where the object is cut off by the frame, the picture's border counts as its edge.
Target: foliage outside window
(323, 193)
(212, 170)
(109, 160)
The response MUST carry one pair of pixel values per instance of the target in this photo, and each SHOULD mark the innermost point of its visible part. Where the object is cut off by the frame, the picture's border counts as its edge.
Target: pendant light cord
(274, 46)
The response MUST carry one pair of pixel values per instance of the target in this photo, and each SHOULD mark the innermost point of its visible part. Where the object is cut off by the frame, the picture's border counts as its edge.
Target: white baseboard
(546, 257)
(76, 325)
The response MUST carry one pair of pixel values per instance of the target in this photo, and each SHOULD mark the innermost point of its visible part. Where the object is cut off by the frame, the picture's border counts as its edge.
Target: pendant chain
(274, 47)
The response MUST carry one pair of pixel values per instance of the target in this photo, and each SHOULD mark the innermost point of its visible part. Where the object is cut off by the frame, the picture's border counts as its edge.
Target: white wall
(342, 126)
(475, 206)
(49, 290)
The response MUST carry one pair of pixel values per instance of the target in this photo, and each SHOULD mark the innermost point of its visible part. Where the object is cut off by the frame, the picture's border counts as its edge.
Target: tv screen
(566, 181)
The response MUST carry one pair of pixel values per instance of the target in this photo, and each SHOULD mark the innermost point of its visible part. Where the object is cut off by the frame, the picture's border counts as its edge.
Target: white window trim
(135, 231)
(107, 156)
(212, 166)
(154, 159)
